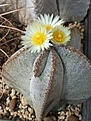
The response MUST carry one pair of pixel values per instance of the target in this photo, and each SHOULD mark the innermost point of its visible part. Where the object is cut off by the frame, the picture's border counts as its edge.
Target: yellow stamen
(58, 36)
(48, 27)
(38, 38)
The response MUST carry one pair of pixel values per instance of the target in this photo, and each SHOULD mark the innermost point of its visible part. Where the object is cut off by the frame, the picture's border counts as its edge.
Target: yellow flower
(36, 37)
(49, 22)
(61, 35)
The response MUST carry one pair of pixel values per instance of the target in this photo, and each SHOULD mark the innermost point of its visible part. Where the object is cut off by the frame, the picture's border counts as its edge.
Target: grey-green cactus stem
(40, 63)
(51, 79)
(63, 74)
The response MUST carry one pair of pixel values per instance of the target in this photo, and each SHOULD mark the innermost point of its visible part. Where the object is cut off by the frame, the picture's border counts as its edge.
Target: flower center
(38, 38)
(48, 27)
(58, 36)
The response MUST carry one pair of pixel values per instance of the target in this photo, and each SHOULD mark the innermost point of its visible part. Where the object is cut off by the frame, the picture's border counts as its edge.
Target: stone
(12, 104)
(4, 97)
(50, 118)
(73, 10)
(73, 118)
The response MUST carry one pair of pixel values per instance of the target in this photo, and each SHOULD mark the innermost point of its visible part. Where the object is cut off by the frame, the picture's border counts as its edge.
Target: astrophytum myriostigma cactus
(56, 77)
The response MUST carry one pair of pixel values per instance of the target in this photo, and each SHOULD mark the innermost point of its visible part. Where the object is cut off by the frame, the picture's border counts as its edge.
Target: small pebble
(73, 118)
(50, 118)
(7, 108)
(26, 112)
(80, 117)
(12, 93)
(6, 87)
(12, 113)
(13, 97)
(20, 106)
(31, 111)
(4, 97)
(18, 119)
(1, 116)
(12, 104)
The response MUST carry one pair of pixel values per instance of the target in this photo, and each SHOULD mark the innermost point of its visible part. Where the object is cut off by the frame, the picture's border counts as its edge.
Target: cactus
(57, 76)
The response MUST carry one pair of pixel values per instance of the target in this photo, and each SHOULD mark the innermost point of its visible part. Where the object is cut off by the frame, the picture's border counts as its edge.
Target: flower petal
(36, 37)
